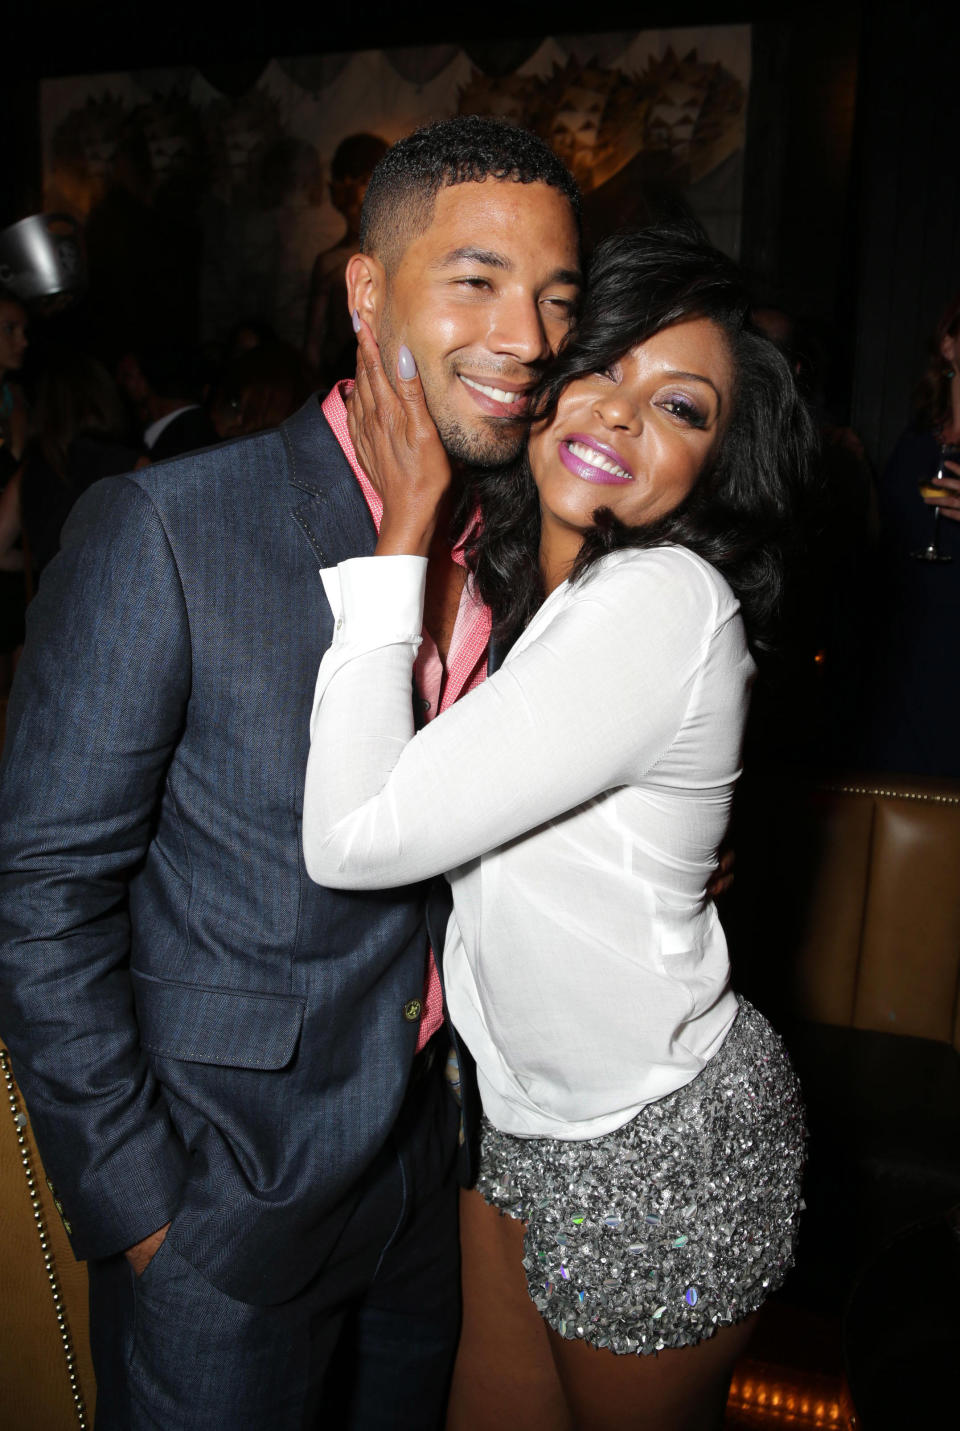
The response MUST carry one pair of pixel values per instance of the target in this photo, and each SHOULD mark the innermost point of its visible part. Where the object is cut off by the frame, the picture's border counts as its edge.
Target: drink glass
(928, 488)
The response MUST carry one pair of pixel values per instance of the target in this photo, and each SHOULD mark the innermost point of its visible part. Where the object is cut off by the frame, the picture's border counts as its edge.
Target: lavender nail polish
(355, 320)
(406, 366)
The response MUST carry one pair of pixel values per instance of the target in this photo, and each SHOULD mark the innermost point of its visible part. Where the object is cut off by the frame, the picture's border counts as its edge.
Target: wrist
(404, 538)
(140, 1254)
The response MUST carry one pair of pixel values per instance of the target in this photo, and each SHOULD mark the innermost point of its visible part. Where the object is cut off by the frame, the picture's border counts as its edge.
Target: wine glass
(928, 488)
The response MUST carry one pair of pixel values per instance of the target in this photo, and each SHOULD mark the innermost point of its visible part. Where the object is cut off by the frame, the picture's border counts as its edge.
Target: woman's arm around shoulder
(593, 694)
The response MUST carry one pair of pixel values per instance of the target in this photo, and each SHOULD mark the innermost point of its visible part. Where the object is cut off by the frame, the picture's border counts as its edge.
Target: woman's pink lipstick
(589, 471)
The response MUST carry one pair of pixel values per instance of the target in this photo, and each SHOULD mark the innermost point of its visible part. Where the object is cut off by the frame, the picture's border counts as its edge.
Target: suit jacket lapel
(330, 508)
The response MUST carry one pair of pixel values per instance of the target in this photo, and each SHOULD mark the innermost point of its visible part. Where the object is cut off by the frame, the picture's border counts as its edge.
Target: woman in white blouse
(642, 1128)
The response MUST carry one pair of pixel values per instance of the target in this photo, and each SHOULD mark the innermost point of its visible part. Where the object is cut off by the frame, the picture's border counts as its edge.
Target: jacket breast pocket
(231, 1028)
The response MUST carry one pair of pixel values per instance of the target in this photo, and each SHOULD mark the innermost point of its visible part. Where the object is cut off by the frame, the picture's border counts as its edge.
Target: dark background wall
(908, 206)
(851, 203)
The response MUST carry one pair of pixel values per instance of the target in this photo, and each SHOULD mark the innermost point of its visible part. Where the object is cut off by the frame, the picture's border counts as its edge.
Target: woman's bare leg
(505, 1378)
(682, 1389)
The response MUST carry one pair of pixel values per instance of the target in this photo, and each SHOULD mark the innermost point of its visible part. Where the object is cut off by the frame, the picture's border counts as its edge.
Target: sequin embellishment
(674, 1225)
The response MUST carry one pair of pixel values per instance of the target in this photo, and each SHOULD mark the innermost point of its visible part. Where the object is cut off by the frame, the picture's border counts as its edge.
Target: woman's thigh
(680, 1389)
(514, 1373)
(505, 1378)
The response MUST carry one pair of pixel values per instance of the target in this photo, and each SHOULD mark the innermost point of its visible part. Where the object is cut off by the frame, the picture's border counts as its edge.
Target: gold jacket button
(412, 1010)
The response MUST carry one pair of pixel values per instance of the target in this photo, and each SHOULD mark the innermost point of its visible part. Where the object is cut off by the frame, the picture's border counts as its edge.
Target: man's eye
(472, 281)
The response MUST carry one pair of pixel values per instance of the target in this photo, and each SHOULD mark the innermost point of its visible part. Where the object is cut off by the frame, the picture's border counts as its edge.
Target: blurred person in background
(260, 389)
(810, 713)
(914, 694)
(13, 408)
(161, 382)
(13, 436)
(80, 436)
(938, 406)
(249, 333)
(329, 344)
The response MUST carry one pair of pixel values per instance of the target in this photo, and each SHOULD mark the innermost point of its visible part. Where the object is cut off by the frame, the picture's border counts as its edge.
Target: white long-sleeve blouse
(575, 800)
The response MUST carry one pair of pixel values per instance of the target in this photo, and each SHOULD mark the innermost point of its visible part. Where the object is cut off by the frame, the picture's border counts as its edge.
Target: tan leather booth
(846, 905)
(880, 935)
(46, 1376)
(844, 927)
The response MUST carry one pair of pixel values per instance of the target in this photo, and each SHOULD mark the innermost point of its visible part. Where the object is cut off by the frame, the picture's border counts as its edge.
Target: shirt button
(339, 623)
(425, 703)
(412, 1010)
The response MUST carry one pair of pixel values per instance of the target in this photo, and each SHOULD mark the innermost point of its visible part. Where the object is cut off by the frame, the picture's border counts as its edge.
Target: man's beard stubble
(491, 442)
(492, 445)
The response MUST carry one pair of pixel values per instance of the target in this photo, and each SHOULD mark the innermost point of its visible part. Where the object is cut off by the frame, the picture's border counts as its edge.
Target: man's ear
(366, 288)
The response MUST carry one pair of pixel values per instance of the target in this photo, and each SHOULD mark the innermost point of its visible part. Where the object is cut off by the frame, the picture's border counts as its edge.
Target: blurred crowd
(67, 420)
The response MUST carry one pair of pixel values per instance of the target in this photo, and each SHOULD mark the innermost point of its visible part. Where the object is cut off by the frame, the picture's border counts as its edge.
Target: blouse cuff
(376, 601)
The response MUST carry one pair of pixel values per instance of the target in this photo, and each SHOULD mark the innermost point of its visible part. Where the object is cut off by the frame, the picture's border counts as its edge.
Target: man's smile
(509, 400)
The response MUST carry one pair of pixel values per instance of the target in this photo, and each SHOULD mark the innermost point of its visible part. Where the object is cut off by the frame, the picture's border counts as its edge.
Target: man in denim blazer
(217, 1054)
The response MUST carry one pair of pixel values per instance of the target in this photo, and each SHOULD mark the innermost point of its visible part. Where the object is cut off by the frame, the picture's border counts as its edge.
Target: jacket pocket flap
(233, 1028)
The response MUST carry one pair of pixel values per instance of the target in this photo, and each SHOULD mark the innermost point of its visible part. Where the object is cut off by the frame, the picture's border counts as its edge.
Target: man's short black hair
(466, 149)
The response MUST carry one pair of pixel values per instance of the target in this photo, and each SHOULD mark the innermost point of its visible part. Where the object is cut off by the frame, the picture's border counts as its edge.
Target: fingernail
(406, 366)
(355, 319)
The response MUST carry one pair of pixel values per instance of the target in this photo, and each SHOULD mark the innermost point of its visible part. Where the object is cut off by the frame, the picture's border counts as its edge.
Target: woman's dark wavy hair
(932, 397)
(740, 514)
(76, 397)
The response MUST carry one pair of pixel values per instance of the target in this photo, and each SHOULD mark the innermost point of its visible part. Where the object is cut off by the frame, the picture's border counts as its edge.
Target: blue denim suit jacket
(200, 1031)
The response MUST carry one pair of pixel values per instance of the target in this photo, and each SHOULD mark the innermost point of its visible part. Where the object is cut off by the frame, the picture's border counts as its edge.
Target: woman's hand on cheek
(398, 447)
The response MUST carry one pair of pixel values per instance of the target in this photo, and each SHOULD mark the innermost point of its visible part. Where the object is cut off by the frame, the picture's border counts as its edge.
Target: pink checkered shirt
(437, 687)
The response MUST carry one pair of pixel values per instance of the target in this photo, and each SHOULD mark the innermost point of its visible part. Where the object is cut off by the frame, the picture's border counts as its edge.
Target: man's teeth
(597, 459)
(497, 394)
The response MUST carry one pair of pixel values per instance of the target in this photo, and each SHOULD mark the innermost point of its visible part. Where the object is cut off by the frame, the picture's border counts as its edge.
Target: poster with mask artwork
(203, 209)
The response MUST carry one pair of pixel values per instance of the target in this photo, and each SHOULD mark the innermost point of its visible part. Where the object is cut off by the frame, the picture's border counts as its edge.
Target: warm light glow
(785, 1403)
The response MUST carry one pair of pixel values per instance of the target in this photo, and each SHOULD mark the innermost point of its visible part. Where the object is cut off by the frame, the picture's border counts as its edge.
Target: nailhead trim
(881, 794)
(49, 1262)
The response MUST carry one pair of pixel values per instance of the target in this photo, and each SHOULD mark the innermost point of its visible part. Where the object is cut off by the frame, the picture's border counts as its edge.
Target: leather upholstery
(880, 939)
(35, 1385)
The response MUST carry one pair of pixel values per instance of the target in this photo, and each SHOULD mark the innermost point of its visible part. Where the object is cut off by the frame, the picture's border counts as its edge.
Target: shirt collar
(162, 423)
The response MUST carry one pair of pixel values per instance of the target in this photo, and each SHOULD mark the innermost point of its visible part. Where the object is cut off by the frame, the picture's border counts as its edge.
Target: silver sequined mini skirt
(678, 1223)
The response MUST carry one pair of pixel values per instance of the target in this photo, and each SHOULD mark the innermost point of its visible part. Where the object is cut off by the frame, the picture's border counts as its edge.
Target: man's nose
(518, 330)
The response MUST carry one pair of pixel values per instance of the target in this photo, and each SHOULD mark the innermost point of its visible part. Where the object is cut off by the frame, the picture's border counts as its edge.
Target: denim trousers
(368, 1345)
